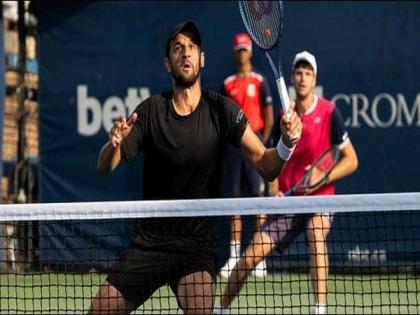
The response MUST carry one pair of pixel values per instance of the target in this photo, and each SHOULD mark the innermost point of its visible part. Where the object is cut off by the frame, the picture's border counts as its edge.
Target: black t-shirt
(183, 159)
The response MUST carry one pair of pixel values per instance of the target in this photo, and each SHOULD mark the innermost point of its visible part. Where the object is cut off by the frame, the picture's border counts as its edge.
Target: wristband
(283, 151)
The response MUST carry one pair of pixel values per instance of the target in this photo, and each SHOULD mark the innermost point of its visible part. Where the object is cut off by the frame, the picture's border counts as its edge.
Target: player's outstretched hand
(121, 129)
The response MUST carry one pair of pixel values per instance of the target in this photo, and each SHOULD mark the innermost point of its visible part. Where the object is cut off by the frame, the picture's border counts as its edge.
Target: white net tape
(209, 207)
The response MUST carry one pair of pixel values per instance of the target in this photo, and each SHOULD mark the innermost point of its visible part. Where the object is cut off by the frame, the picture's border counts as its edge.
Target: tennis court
(280, 293)
(361, 282)
(63, 226)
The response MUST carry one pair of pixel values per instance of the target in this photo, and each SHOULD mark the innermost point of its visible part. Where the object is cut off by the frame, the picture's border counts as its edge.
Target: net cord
(209, 207)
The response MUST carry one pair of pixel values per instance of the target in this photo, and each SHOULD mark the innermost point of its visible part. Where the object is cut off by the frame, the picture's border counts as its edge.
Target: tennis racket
(264, 22)
(318, 172)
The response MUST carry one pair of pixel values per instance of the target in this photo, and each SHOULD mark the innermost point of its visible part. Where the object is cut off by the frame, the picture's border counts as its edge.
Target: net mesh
(54, 257)
(263, 20)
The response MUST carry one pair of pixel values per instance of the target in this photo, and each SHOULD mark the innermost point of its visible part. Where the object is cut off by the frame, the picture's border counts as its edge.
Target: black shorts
(285, 228)
(142, 271)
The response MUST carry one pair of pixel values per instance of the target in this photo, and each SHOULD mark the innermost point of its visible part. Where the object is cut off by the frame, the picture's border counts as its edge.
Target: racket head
(263, 21)
(319, 170)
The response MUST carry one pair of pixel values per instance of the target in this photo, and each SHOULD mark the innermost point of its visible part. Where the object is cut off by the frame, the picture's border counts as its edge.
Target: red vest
(314, 141)
(246, 93)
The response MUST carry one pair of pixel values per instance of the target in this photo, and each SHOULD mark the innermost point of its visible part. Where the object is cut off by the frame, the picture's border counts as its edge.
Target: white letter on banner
(362, 112)
(404, 111)
(132, 99)
(346, 98)
(135, 97)
(113, 109)
(393, 108)
(144, 93)
(84, 105)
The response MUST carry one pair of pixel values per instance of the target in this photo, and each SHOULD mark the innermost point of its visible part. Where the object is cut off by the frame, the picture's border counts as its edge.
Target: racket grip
(284, 97)
(288, 193)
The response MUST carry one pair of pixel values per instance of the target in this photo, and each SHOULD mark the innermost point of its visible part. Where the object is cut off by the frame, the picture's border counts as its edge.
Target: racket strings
(320, 169)
(326, 164)
(264, 21)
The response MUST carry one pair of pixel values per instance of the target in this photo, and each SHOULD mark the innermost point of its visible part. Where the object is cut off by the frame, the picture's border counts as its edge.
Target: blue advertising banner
(2, 98)
(98, 60)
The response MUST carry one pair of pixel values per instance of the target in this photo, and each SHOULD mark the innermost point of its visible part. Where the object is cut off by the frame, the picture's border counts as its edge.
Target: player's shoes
(228, 267)
(260, 270)
(219, 311)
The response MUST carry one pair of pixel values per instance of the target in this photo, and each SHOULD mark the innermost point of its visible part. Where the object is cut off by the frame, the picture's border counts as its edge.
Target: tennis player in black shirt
(183, 134)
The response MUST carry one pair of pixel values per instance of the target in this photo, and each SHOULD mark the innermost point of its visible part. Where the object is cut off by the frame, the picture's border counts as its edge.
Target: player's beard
(184, 81)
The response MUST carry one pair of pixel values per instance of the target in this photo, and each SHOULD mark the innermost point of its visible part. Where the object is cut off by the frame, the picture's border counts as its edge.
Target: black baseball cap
(182, 27)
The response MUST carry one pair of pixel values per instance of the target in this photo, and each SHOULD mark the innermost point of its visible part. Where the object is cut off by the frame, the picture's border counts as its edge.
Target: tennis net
(54, 257)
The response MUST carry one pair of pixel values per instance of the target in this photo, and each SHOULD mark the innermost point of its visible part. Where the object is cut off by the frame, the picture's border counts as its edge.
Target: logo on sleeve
(239, 116)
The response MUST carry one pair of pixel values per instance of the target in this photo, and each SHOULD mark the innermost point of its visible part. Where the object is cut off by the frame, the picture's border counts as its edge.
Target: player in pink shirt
(323, 127)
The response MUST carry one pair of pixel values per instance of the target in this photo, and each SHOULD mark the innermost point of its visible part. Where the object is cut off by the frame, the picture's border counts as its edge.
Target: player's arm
(109, 158)
(110, 154)
(273, 187)
(268, 162)
(348, 162)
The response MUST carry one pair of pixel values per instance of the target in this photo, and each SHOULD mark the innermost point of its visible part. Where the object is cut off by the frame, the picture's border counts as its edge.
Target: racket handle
(288, 193)
(284, 97)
